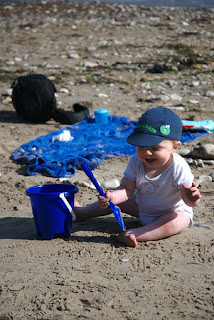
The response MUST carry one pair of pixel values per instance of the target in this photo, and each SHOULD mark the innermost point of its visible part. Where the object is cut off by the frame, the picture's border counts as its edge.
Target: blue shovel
(114, 209)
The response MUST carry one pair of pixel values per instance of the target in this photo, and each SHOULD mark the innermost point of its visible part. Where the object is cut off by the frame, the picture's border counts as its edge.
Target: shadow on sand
(24, 228)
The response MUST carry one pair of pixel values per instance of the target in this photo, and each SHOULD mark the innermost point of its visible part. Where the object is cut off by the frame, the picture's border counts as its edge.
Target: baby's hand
(104, 201)
(192, 194)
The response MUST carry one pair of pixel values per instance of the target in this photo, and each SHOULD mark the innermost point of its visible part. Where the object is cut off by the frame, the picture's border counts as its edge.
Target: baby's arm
(190, 194)
(121, 194)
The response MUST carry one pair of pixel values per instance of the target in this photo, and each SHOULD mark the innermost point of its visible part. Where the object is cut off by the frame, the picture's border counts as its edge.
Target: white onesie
(161, 194)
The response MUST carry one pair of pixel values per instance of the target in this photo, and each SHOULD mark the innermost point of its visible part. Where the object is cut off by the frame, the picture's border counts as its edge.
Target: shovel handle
(89, 173)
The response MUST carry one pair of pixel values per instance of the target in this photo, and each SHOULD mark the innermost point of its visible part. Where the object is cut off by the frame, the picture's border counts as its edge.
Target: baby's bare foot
(128, 238)
(78, 212)
(76, 203)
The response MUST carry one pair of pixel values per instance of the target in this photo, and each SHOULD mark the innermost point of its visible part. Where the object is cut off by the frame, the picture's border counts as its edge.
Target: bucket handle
(62, 196)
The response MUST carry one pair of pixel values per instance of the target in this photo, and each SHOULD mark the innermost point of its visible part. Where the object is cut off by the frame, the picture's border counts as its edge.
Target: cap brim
(144, 140)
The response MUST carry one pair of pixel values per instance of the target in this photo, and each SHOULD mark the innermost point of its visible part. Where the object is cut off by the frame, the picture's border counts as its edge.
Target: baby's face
(157, 156)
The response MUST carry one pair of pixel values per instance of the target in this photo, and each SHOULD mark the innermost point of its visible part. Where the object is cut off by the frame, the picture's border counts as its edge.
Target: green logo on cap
(165, 129)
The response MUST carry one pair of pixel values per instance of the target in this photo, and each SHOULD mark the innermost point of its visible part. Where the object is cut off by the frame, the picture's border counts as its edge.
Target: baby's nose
(147, 152)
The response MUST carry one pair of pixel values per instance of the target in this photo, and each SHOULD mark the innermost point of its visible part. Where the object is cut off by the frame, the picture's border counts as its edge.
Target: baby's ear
(176, 145)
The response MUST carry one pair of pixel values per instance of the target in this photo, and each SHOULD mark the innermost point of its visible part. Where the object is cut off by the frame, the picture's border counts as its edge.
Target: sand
(126, 59)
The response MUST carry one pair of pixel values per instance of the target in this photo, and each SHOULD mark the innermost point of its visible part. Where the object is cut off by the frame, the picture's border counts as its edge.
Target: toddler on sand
(157, 186)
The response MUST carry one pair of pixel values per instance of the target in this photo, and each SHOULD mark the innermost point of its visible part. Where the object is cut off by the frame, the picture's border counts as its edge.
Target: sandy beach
(126, 59)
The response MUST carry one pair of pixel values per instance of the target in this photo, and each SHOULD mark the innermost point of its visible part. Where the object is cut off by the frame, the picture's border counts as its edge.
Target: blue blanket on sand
(60, 153)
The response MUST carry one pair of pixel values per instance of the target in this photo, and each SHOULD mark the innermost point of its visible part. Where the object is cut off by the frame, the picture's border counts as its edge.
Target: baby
(157, 186)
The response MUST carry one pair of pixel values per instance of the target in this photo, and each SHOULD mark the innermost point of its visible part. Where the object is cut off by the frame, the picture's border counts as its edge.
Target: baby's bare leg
(94, 210)
(90, 211)
(130, 206)
(167, 225)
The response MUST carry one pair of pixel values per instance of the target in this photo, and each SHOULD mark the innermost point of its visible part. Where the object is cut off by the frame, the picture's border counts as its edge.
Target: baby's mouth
(150, 160)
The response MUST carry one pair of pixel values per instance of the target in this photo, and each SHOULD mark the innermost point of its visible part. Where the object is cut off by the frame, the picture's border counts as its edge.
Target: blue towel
(88, 141)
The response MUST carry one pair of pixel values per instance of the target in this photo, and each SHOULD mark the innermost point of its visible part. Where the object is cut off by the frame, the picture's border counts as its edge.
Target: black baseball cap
(154, 126)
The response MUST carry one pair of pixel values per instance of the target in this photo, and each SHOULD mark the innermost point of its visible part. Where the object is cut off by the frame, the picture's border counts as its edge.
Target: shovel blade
(117, 213)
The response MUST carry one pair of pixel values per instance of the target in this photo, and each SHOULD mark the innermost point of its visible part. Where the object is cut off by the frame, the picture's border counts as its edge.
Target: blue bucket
(51, 214)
